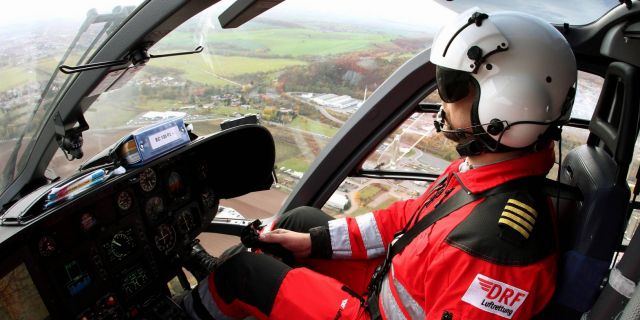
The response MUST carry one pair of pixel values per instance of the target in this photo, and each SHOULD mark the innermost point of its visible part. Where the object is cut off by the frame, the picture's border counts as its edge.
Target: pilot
(489, 250)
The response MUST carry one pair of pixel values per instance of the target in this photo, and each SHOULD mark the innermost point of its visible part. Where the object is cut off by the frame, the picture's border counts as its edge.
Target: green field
(250, 48)
(285, 150)
(306, 124)
(229, 112)
(210, 69)
(202, 128)
(360, 211)
(296, 164)
(48, 65)
(369, 191)
(106, 118)
(22, 74)
(293, 42)
(386, 203)
(14, 76)
(157, 104)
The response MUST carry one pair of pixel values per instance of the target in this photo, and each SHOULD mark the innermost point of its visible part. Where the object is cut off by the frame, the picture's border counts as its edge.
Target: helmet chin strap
(472, 147)
(477, 142)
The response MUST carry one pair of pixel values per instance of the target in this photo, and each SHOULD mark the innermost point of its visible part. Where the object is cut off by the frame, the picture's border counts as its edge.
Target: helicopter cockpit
(192, 131)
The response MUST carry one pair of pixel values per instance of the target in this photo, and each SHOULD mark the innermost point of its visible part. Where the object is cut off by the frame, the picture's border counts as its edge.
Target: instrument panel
(127, 242)
(116, 251)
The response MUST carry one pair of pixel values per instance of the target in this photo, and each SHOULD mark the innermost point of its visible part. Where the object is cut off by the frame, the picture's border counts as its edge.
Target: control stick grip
(250, 238)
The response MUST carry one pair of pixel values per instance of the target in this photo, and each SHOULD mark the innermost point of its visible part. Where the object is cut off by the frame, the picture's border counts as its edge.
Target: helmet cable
(476, 18)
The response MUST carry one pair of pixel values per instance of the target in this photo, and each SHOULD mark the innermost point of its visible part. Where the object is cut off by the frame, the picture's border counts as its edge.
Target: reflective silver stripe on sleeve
(621, 284)
(339, 233)
(390, 306)
(269, 226)
(370, 235)
(413, 308)
(207, 301)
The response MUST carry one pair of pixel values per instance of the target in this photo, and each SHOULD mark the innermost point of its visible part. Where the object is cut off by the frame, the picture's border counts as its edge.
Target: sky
(12, 12)
(429, 14)
(556, 11)
(25, 11)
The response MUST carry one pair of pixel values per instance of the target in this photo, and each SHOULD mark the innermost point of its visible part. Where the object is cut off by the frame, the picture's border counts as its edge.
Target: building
(338, 201)
(330, 100)
(162, 115)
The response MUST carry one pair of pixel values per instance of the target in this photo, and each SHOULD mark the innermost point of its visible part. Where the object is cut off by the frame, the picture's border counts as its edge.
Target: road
(322, 110)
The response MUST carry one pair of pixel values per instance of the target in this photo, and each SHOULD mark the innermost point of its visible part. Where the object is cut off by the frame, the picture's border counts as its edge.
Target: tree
(269, 113)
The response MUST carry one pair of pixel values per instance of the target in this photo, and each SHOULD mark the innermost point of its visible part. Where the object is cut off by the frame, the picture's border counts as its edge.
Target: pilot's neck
(491, 158)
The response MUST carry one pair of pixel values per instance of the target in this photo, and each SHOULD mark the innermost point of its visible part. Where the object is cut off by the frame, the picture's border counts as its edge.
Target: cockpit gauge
(165, 238)
(148, 179)
(47, 246)
(87, 222)
(176, 185)
(121, 245)
(94, 256)
(153, 208)
(125, 200)
(186, 221)
(208, 198)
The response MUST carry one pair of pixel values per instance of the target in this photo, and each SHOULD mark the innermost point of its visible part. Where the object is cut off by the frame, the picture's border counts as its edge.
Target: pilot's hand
(298, 243)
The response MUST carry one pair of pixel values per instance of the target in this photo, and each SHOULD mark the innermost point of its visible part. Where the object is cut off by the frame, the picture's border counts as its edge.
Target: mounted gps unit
(150, 142)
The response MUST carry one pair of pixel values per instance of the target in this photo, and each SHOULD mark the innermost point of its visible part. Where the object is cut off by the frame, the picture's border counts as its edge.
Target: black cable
(559, 172)
(476, 18)
(454, 36)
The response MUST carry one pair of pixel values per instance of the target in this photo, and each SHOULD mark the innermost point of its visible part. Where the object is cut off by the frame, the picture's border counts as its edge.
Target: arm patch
(513, 228)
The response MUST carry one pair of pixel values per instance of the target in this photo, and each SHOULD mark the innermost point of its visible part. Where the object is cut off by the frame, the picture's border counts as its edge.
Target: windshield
(282, 66)
(35, 38)
(303, 67)
(575, 12)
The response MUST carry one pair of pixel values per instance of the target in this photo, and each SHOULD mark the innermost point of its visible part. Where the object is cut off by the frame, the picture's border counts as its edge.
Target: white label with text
(164, 137)
(494, 296)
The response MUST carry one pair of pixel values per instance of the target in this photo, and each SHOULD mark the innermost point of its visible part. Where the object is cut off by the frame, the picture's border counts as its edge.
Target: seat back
(590, 230)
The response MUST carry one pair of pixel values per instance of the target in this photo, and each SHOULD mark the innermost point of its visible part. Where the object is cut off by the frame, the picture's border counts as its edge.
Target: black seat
(590, 230)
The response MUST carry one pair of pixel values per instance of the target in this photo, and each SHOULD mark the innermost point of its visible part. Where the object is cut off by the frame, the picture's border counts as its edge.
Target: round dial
(153, 208)
(208, 198)
(121, 245)
(165, 237)
(176, 186)
(47, 246)
(124, 200)
(186, 221)
(87, 222)
(148, 180)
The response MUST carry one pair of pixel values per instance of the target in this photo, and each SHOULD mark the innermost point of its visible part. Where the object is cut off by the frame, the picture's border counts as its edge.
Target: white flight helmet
(523, 69)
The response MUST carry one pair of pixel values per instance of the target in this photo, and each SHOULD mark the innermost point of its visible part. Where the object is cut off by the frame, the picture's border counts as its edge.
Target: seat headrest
(614, 124)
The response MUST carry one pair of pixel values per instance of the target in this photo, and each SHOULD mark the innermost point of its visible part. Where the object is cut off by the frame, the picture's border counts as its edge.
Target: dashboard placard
(150, 142)
(164, 137)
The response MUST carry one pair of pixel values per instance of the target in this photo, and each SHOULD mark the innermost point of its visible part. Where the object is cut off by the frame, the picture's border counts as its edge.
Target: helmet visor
(453, 85)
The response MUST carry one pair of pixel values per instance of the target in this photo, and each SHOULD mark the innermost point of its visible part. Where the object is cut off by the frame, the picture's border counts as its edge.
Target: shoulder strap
(455, 202)
(556, 189)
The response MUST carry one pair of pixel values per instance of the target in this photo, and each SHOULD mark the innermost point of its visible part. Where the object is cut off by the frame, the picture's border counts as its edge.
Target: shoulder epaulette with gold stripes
(519, 217)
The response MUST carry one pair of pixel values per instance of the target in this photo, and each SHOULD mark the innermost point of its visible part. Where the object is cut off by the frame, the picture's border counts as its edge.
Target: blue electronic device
(150, 142)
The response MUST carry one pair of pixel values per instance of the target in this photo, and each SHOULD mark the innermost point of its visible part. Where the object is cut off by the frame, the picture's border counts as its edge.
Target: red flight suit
(494, 258)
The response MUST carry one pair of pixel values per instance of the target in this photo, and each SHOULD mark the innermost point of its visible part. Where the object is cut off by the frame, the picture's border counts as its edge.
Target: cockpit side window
(403, 165)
